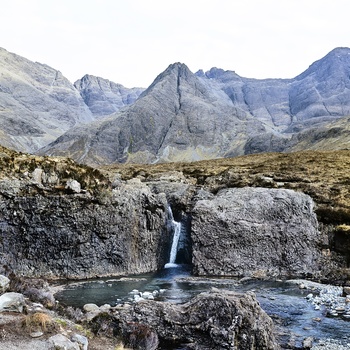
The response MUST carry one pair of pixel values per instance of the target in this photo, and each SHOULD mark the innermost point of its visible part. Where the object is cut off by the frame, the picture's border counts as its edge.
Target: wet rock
(90, 307)
(256, 232)
(12, 302)
(213, 320)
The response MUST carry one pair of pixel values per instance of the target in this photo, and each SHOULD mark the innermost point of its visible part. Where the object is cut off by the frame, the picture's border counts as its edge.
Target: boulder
(60, 342)
(81, 340)
(256, 232)
(91, 307)
(211, 320)
(73, 186)
(12, 302)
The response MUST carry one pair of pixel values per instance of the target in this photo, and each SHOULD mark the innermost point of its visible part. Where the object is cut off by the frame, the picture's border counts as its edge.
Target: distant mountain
(184, 116)
(103, 97)
(318, 95)
(266, 99)
(179, 117)
(37, 103)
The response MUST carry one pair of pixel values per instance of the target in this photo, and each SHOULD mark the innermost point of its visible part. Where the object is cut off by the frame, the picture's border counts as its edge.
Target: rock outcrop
(256, 232)
(213, 320)
(51, 230)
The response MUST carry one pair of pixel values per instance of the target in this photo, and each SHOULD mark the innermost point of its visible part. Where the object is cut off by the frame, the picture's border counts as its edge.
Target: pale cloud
(132, 41)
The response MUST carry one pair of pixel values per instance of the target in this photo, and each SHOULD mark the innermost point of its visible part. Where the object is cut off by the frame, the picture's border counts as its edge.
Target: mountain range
(181, 116)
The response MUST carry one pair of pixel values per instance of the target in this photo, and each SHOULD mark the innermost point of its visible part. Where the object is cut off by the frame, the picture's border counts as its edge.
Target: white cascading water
(176, 228)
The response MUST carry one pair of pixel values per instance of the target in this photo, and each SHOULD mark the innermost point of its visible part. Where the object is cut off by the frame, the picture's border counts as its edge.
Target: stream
(294, 316)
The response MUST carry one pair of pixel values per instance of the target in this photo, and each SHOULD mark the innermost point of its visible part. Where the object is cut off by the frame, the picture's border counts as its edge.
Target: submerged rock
(256, 232)
(211, 320)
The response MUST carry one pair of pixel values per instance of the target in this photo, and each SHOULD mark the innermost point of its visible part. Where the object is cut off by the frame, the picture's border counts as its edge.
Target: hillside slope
(37, 103)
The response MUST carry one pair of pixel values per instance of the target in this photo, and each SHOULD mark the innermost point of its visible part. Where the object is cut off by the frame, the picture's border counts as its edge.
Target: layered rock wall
(78, 235)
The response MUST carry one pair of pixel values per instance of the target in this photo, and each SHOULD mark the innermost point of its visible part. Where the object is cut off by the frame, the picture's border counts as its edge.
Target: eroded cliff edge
(62, 220)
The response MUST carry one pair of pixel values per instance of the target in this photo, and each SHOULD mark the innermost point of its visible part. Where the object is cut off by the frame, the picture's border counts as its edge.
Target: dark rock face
(214, 320)
(60, 219)
(103, 97)
(77, 235)
(256, 232)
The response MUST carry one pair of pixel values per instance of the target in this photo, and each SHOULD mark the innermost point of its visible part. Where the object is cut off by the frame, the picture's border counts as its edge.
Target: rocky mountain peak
(335, 62)
(176, 69)
(221, 74)
(104, 97)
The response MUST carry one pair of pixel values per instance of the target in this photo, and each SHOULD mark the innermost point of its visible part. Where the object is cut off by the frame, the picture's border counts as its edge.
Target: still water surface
(294, 316)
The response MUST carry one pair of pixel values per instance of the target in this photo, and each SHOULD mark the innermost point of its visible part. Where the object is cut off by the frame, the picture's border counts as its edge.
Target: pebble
(36, 334)
(329, 344)
(309, 296)
(330, 297)
(307, 343)
(134, 291)
(139, 296)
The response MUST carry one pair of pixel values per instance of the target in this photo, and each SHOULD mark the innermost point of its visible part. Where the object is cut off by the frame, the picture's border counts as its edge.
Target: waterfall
(176, 229)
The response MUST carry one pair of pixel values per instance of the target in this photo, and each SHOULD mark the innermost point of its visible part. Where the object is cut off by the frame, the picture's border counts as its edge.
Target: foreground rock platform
(211, 320)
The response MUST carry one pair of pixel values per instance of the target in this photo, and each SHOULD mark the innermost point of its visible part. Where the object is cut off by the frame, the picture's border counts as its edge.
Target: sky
(132, 41)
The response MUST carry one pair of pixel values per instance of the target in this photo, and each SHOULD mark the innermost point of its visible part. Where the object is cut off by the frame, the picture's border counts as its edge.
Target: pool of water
(294, 317)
